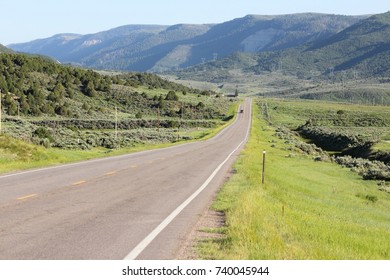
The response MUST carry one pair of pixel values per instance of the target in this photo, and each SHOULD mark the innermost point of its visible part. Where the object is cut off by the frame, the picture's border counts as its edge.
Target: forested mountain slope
(159, 48)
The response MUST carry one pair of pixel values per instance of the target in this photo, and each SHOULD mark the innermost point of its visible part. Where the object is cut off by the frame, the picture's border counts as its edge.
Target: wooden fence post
(263, 173)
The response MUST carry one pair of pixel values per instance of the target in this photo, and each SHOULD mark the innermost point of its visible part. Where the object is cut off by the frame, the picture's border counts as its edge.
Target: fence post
(263, 173)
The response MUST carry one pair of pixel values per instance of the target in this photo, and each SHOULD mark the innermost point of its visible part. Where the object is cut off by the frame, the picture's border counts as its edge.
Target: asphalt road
(137, 206)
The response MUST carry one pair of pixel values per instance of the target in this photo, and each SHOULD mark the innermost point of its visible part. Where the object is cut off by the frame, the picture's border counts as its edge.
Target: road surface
(137, 206)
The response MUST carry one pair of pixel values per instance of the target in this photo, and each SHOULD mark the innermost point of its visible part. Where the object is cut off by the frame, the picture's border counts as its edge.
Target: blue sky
(25, 20)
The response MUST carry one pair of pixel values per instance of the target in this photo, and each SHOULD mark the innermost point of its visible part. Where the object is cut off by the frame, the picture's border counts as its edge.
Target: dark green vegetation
(306, 209)
(60, 106)
(161, 48)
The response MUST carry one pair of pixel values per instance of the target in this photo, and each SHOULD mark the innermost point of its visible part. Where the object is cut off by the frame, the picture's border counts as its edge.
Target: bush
(340, 112)
(200, 105)
(382, 186)
(43, 133)
(328, 139)
(171, 96)
(369, 170)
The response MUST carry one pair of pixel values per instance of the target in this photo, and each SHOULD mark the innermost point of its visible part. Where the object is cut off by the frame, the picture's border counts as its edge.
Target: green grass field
(305, 209)
(364, 121)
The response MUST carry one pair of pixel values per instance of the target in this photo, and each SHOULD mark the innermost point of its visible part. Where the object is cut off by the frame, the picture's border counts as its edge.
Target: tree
(54, 97)
(172, 113)
(59, 90)
(62, 110)
(89, 89)
(172, 96)
(10, 105)
(24, 107)
(138, 115)
(161, 103)
(48, 108)
(200, 105)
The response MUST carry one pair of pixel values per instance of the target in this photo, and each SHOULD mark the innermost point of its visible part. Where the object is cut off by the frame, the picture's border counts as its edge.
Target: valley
(313, 88)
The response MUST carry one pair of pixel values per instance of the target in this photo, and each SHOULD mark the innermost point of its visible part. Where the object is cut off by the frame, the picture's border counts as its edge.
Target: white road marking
(148, 239)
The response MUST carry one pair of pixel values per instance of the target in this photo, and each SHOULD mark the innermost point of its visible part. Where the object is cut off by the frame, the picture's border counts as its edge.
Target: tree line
(36, 85)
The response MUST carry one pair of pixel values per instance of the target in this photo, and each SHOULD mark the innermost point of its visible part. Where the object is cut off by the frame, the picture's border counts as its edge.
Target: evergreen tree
(172, 96)
(89, 89)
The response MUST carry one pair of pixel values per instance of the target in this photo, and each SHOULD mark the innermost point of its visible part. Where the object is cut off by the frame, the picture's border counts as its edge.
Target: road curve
(136, 206)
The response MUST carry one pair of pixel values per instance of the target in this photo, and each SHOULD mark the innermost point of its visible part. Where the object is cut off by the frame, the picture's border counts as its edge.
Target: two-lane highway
(140, 205)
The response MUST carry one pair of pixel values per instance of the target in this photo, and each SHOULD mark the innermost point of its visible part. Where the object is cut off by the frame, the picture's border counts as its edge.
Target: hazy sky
(25, 20)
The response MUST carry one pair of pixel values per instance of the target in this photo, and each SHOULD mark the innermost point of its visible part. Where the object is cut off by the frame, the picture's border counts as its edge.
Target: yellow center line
(27, 196)
(78, 183)
(150, 161)
(111, 173)
(163, 158)
(133, 166)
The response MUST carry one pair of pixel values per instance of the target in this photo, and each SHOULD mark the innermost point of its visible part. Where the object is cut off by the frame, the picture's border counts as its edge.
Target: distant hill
(359, 51)
(4, 49)
(159, 48)
(363, 49)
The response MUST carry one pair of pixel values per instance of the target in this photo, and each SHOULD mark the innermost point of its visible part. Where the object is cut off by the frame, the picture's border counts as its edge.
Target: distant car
(242, 111)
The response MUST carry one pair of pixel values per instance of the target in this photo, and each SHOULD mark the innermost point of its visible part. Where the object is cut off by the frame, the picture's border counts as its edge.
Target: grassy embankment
(305, 209)
(18, 155)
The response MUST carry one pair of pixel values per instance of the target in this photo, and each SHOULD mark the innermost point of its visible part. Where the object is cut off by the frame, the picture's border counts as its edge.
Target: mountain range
(160, 48)
(363, 48)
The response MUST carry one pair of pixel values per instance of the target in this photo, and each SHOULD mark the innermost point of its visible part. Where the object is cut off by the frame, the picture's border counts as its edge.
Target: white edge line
(148, 239)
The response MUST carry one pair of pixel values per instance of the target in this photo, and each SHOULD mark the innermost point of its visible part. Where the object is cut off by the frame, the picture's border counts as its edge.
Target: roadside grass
(293, 113)
(16, 155)
(305, 209)
(28, 156)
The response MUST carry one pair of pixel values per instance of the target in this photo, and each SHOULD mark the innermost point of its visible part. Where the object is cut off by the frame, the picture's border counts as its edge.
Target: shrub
(369, 170)
(382, 186)
(171, 96)
(42, 132)
(340, 112)
(200, 105)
